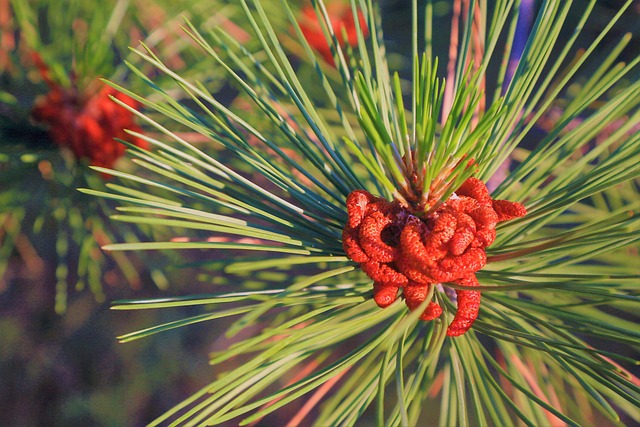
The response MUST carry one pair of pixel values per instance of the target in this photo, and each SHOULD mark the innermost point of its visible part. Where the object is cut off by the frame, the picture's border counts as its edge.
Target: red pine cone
(88, 124)
(342, 20)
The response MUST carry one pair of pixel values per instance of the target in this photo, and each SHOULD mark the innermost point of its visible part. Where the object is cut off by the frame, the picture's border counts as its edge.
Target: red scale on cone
(399, 250)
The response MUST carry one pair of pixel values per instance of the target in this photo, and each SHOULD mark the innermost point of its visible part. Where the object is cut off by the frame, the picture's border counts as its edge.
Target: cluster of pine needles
(262, 199)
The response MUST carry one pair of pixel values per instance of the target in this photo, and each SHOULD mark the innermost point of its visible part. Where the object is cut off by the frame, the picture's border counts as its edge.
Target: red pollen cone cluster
(86, 123)
(341, 18)
(400, 250)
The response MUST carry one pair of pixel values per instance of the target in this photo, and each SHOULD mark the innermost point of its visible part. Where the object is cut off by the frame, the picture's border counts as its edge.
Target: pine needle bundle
(56, 118)
(316, 332)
